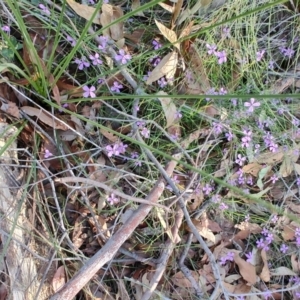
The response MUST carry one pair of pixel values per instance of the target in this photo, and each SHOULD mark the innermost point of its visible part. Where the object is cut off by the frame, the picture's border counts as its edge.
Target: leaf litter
(239, 176)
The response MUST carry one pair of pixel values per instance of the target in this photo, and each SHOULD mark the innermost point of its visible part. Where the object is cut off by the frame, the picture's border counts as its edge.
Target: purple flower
(265, 231)
(221, 57)
(229, 136)
(155, 61)
(240, 159)
(251, 105)
(249, 256)
(259, 55)
(178, 115)
(270, 238)
(211, 49)
(89, 92)
(287, 52)
(271, 64)
(223, 206)
(207, 189)
(274, 219)
(217, 128)
(116, 149)
(44, 9)
(82, 63)
(102, 43)
(122, 57)
(162, 82)
(156, 45)
(5, 28)
(145, 132)
(216, 198)
(274, 178)
(47, 154)
(284, 248)
(71, 40)
(222, 91)
(260, 243)
(229, 256)
(95, 59)
(246, 139)
(112, 199)
(116, 87)
(298, 181)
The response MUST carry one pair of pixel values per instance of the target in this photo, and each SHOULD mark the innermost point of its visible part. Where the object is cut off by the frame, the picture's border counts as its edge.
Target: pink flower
(221, 57)
(47, 154)
(122, 57)
(116, 87)
(251, 105)
(89, 92)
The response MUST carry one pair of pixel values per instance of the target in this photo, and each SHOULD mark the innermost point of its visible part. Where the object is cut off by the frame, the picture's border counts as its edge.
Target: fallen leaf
(84, 11)
(252, 227)
(294, 207)
(167, 7)
(261, 175)
(177, 10)
(11, 108)
(295, 263)
(169, 108)
(253, 169)
(166, 67)
(180, 279)
(246, 269)
(283, 271)
(136, 4)
(59, 278)
(288, 233)
(44, 117)
(287, 167)
(265, 273)
(110, 14)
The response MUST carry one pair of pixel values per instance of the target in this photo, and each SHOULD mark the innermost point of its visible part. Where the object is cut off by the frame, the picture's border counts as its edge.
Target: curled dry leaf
(44, 117)
(84, 11)
(246, 269)
(283, 271)
(252, 227)
(169, 108)
(59, 278)
(169, 34)
(11, 108)
(180, 279)
(265, 272)
(167, 67)
(253, 169)
(177, 9)
(110, 14)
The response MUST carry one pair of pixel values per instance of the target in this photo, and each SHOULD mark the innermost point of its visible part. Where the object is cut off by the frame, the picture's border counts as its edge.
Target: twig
(107, 188)
(92, 266)
(169, 247)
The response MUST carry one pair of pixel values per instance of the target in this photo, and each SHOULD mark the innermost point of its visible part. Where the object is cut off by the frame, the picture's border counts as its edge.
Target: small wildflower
(251, 105)
(284, 248)
(89, 92)
(246, 139)
(274, 219)
(44, 9)
(229, 135)
(5, 28)
(102, 43)
(116, 149)
(155, 61)
(270, 238)
(229, 256)
(95, 59)
(216, 198)
(259, 55)
(217, 128)
(240, 160)
(226, 32)
(82, 63)
(249, 257)
(145, 132)
(162, 82)
(47, 154)
(274, 178)
(116, 87)
(260, 243)
(221, 57)
(271, 64)
(223, 206)
(178, 115)
(222, 91)
(101, 80)
(265, 231)
(156, 45)
(112, 199)
(71, 40)
(211, 49)
(207, 189)
(122, 57)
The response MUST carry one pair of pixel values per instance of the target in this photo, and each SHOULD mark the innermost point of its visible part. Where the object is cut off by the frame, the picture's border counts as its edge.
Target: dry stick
(92, 265)
(109, 189)
(194, 230)
(169, 247)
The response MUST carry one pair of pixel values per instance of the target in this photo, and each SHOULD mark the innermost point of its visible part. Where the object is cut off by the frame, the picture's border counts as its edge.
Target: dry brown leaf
(176, 11)
(283, 271)
(110, 14)
(59, 278)
(166, 67)
(252, 169)
(225, 163)
(271, 158)
(84, 11)
(295, 263)
(252, 227)
(265, 273)
(169, 108)
(288, 233)
(44, 117)
(167, 7)
(287, 167)
(246, 269)
(243, 234)
(180, 280)
(55, 90)
(294, 207)
(11, 108)
(108, 134)
(135, 5)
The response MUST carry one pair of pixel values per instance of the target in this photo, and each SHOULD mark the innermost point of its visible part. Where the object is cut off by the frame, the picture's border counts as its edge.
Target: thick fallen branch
(104, 255)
